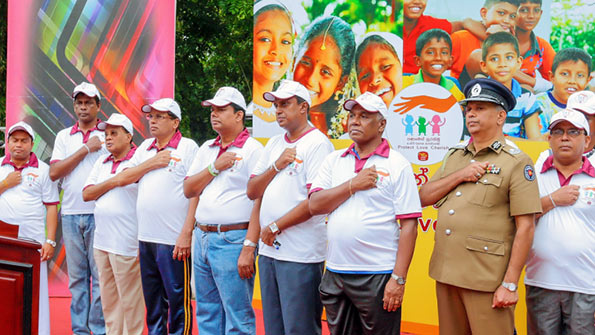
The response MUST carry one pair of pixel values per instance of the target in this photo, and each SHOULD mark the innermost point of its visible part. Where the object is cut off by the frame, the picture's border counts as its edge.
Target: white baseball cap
(583, 101)
(164, 105)
(117, 119)
(87, 89)
(22, 126)
(370, 102)
(288, 89)
(225, 96)
(575, 117)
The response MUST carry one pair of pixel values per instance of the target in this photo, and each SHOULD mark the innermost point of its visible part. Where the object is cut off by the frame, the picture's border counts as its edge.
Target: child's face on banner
(528, 16)
(435, 58)
(414, 9)
(319, 69)
(570, 76)
(272, 45)
(502, 13)
(501, 62)
(380, 72)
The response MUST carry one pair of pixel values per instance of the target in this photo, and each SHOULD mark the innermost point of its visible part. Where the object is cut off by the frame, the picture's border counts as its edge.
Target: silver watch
(274, 229)
(400, 280)
(509, 286)
(248, 243)
(51, 242)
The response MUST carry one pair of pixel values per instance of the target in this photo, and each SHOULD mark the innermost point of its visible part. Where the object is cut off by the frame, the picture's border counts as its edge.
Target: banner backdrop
(126, 48)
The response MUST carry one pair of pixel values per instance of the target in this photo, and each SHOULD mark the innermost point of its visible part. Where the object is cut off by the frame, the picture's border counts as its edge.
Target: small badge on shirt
(30, 178)
(587, 194)
(529, 173)
(493, 169)
(496, 145)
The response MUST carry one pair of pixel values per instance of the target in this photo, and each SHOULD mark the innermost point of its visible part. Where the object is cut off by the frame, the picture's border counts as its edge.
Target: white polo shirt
(304, 242)
(224, 200)
(562, 256)
(68, 141)
(363, 233)
(116, 228)
(24, 204)
(161, 206)
(547, 153)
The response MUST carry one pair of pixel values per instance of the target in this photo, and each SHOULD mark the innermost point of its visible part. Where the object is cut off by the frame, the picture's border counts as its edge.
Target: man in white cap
(29, 199)
(75, 151)
(559, 276)
(115, 241)
(165, 218)
(219, 176)
(584, 102)
(370, 195)
(293, 242)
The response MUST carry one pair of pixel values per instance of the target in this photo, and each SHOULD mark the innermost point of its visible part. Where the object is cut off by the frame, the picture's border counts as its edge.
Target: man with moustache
(29, 199)
(293, 242)
(75, 151)
(219, 176)
(487, 198)
(365, 190)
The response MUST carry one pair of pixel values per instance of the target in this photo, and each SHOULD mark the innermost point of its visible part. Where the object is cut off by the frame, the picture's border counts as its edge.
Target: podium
(19, 283)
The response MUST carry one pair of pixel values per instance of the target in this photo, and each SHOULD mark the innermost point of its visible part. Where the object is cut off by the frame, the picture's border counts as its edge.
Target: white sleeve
(197, 162)
(263, 161)
(59, 150)
(255, 156)
(316, 156)
(93, 177)
(323, 179)
(191, 154)
(406, 197)
(50, 194)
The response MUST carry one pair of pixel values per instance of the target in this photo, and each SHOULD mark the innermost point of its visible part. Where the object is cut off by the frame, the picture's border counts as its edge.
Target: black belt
(222, 227)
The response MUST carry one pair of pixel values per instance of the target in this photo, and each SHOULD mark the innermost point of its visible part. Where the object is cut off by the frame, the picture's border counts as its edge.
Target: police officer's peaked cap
(489, 90)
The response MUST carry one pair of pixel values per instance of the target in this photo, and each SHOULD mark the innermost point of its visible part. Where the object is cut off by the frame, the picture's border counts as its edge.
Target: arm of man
(393, 292)
(297, 215)
(184, 241)
(195, 184)
(473, 26)
(134, 174)
(435, 190)
(13, 179)
(59, 169)
(51, 219)
(259, 183)
(246, 258)
(564, 196)
(523, 239)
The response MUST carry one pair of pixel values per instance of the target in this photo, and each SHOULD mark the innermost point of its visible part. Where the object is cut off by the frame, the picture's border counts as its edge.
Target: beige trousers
(462, 311)
(121, 293)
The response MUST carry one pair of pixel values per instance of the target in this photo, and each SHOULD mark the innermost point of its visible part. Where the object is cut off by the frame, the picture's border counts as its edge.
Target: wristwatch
(509, 286)
(248, 243)
(400, 280)
(51, 242)
(274, 229)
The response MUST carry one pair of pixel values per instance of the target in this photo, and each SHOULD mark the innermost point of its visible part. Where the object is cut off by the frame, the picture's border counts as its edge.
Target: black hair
(537, 2)
(572, 54)
(340, 31)
(97, 100)
(300, 101)
(374, 39)
(428, 35)
(501, 37)
(237, 108)
(489, 3)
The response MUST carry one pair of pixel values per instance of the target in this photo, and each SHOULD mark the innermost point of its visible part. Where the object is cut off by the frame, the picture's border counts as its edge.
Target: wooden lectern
(19, 282)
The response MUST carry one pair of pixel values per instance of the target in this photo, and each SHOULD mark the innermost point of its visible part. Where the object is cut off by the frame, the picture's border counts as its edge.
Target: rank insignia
(496, 145)
(493, 169)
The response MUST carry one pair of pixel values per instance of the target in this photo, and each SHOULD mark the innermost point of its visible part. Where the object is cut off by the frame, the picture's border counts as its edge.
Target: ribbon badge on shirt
(295, 167)
(30, 178)
(587, 194)
(237, 163)
(383, 177)
(173, 162)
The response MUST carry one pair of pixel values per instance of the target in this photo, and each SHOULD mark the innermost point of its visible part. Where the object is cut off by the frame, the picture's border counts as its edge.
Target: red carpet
(60, 318)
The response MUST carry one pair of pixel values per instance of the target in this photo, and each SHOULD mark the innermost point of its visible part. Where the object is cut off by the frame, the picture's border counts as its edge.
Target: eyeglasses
(571, 132)
(158, 117)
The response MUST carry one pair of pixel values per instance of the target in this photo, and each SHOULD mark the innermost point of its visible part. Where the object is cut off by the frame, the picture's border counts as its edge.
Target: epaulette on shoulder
(511, 148)
(460, 145)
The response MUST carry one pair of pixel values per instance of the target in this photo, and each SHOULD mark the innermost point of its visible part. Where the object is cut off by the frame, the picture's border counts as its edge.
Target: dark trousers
(166, 285)
(354, 304)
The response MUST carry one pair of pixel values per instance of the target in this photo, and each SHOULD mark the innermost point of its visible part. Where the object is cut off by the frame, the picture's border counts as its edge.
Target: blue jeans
(223, 299)
(85, 308)
(290, 300)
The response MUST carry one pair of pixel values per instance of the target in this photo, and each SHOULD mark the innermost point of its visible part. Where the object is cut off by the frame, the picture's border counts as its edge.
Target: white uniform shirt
(116, 228)
(68, 141)
(304, 242)
(161, 206)
(363, 234)
(224, 200)
(24, 204)
(562, 256)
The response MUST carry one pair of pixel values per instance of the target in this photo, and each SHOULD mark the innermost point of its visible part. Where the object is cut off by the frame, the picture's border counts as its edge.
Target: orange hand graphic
(435, 104)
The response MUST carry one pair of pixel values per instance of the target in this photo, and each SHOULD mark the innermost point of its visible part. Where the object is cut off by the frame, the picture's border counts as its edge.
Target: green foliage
(213, 49)
(573, 25)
